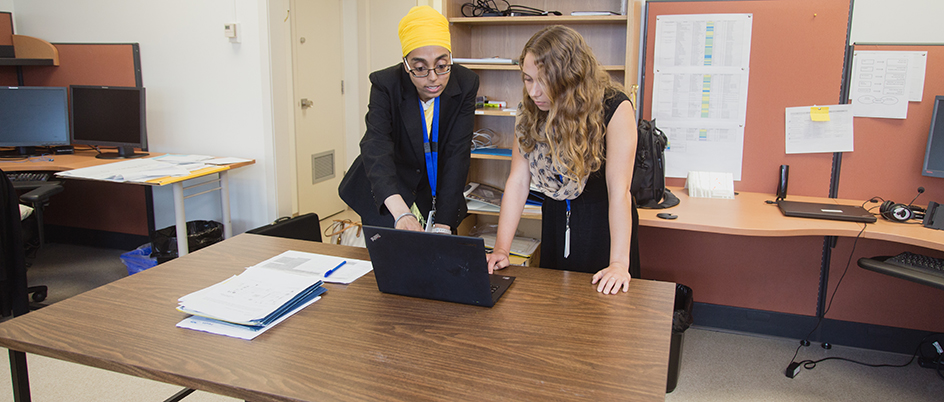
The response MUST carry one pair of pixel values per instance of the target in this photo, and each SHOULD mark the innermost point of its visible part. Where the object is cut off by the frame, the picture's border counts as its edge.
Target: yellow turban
(423, 26)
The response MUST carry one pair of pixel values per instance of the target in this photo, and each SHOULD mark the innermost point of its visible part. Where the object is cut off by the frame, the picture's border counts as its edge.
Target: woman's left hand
(609, 280)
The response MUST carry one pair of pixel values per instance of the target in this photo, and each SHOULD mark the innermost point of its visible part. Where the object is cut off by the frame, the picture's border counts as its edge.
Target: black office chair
(32, 233)
(14, 299)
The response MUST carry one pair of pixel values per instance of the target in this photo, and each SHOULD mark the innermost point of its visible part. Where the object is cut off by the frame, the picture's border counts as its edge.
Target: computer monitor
(934, 155)
(111, 117)
(33, 117)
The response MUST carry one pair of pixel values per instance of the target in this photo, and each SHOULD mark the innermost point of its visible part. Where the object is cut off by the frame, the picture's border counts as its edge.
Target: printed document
(700, 85)
(804, 135)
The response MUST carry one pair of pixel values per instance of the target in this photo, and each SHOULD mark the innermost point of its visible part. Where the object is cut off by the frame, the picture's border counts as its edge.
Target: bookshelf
(615, 42)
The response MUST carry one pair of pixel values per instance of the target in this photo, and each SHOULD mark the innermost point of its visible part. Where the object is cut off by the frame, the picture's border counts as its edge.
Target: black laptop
(852, 213)
(433, 266)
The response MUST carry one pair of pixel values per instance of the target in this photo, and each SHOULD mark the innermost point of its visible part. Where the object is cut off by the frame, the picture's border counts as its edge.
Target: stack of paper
(710, 185)
(248, 304)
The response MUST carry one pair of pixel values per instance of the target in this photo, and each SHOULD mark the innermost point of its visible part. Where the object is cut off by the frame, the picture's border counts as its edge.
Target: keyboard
(27, 176)
(909, 266)
(918, 262)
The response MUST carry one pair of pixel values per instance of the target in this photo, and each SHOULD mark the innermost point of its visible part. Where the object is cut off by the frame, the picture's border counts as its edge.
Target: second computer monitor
(109, 116)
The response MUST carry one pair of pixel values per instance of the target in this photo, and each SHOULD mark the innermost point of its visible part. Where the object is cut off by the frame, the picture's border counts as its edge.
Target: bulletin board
(886, 163)
(797, 58)
(889, 153)
(117, 64)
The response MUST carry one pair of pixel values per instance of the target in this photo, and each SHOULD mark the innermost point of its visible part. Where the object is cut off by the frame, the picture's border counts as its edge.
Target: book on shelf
(485, 60)
(484, 198)
(593, 13)
(520, 246)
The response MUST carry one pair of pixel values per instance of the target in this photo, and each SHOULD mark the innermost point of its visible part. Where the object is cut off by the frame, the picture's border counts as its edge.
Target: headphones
(900, 212)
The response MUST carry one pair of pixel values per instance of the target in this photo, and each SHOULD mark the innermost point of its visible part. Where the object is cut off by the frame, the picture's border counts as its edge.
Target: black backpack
(648, 186)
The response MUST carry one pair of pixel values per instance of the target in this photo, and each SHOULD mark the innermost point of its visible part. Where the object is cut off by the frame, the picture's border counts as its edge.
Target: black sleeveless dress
(589, 222)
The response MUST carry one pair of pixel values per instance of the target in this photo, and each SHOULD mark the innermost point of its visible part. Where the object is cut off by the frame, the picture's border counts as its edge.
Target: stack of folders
(246, 305)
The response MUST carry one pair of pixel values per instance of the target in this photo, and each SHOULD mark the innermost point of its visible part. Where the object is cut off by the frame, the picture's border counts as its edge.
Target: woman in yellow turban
(415, 154)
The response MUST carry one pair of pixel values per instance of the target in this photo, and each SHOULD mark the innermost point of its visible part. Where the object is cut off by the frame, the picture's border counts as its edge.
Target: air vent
(322, 166)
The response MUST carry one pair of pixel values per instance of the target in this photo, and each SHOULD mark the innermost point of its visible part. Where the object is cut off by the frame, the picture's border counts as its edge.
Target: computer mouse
(666, 215)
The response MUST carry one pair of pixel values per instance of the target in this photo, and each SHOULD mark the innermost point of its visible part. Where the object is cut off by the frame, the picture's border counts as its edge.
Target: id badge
(429, 220)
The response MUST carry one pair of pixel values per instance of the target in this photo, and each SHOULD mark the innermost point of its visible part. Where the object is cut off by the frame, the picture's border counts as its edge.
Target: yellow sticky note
(819, 113)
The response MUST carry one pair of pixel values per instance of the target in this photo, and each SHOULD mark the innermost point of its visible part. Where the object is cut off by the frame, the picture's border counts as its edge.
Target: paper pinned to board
(804, 134)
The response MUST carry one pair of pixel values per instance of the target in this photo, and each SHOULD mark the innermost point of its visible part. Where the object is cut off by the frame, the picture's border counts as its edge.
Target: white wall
(205, 95)
(377, 46)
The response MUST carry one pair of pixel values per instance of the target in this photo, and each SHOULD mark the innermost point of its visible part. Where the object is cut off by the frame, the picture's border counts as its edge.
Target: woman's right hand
(497, 260)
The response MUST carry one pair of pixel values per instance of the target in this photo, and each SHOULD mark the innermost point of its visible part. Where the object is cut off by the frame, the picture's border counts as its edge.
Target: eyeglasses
(423, 72)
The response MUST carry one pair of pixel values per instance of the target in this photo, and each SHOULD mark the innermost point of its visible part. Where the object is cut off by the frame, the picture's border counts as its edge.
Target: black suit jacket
(392, 160)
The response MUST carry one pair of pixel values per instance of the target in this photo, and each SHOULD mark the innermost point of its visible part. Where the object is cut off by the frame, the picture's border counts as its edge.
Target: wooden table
(550, 337)
(85, 159)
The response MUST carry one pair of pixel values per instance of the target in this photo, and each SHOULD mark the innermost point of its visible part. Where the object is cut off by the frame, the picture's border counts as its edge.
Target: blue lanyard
(568, 200)
(431, 146)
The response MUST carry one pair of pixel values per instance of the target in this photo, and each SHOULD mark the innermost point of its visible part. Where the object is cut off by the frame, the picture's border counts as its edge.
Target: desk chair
(13, 294)
(30, 239)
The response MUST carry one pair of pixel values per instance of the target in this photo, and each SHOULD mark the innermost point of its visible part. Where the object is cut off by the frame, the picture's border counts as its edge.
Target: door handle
(306, 103)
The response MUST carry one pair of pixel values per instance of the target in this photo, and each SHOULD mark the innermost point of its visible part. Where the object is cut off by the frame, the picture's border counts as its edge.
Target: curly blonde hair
(576, 83)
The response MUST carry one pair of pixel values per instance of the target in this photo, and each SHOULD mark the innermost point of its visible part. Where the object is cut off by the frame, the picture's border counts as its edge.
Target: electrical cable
(819, 321)
(489, 8)
(482, 139)
(811, 364)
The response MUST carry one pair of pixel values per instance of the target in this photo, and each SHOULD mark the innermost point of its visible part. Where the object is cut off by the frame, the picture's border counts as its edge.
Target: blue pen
(331, 271)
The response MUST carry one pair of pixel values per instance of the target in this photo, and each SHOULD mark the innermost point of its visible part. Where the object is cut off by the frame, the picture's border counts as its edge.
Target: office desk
(753, 269)
(550, 337)
(84, 159)
(749, 215)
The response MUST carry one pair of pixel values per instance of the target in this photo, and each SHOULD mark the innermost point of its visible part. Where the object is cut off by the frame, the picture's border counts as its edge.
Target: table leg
(20, 376)
(224, 198)
(181, 219)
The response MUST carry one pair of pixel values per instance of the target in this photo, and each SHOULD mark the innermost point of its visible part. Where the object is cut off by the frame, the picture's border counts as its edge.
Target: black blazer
(392, 160)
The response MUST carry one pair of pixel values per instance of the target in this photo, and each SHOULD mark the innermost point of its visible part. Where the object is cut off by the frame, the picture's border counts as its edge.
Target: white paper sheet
(882, 82)
(318, 264)
(703, 146)
(233, 330)
(134, 170)
(803, 135)
(700, 87)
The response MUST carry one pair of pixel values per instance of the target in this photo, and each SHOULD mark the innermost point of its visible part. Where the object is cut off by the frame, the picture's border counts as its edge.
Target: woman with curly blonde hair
(576, 142)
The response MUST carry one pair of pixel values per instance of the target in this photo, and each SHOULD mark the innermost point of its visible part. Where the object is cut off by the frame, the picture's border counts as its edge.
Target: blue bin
(139, 259)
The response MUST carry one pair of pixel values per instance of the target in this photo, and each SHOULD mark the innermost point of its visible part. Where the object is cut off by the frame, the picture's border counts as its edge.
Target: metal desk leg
(20, 376)
(181, 219)
(224, 198)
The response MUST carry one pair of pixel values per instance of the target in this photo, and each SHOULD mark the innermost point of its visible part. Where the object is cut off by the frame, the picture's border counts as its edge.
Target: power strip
(931, 364)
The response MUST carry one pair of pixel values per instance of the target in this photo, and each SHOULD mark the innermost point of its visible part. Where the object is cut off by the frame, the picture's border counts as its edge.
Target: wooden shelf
(491, 157)
(515, 67)
(26, 62)
(494, 112)
(524, 215)
(542, 20)
(32, 51)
